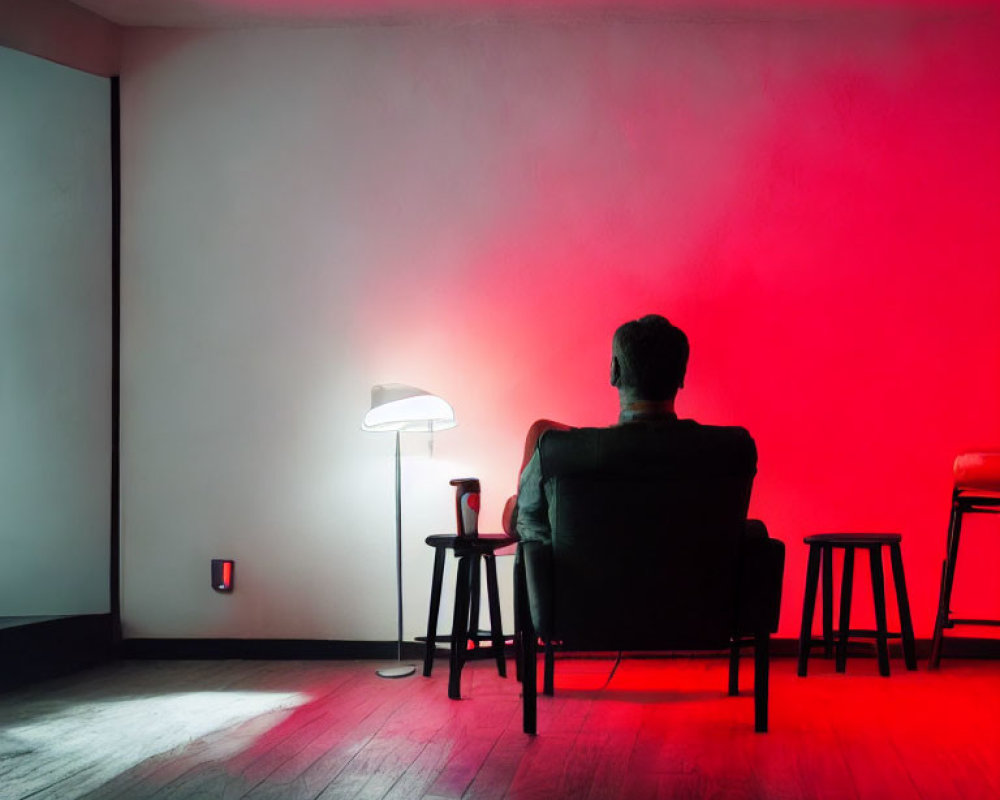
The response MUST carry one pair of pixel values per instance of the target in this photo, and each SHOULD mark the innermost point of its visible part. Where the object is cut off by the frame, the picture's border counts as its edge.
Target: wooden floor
(660, 728)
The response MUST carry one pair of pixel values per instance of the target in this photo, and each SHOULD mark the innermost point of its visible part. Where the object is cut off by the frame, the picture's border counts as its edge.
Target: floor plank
(243, 730)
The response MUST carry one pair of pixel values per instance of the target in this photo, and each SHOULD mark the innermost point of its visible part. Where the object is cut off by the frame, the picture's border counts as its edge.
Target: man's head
(649, 358)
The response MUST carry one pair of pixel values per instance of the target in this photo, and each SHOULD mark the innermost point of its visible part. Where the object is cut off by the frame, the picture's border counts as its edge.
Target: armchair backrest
(647, 521)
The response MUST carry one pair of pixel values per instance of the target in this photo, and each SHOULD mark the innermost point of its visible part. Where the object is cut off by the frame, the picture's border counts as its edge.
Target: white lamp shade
(397, 407)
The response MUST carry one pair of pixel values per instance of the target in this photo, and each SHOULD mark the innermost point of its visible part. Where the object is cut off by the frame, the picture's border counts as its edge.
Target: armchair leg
(526, 647)
(734, 668)
(529, 672)
(548, 676)
(520, 603)
(761, 674)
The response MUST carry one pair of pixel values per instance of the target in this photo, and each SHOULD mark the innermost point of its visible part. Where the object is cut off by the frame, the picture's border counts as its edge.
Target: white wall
(250, 263)
(55, 338)
(473, 208)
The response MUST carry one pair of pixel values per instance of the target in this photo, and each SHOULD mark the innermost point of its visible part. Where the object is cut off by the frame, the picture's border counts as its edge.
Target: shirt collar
(644, 415)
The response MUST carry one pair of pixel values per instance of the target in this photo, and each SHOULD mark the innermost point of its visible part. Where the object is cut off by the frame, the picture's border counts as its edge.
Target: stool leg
(459, 627)
(496, 625)
(432, 615)
(475, 591)
(947, 581)
(878, 595)
(827, 602)
(936, 640)
(846, 587)
(808, 607)
(903, 601)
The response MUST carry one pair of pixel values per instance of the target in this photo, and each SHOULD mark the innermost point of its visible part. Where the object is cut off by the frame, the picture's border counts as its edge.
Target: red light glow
(816, 206)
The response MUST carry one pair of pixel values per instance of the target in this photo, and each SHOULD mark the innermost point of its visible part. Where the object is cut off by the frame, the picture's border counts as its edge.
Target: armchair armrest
(508, 518)
(761, 575)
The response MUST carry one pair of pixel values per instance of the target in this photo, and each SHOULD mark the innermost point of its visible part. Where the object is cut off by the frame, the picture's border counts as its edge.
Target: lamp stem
(399, 557)
(400, 670)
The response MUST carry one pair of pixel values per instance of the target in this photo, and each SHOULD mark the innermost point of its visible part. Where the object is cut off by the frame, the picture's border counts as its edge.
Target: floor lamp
(397, 407)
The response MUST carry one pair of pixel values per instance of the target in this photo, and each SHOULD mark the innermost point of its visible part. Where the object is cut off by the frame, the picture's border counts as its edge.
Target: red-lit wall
(812, 196)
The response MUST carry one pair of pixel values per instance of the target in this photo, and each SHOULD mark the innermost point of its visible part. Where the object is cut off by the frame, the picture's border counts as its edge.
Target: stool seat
(821, 547)
(977, 471)
(497, 543)
(857, 539)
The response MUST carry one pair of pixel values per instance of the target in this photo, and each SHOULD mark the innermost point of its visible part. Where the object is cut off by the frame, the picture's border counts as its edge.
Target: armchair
(650, 551)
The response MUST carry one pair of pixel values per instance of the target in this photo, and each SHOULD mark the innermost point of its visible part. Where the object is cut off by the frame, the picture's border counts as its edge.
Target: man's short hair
(652, 357)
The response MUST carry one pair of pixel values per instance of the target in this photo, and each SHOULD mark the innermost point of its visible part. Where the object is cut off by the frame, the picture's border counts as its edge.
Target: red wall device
(222, 574)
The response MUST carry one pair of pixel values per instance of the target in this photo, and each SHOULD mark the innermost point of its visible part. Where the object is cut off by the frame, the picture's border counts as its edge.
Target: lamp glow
(397, 407)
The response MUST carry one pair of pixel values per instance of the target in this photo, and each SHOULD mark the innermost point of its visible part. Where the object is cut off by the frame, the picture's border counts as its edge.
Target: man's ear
(616, 371)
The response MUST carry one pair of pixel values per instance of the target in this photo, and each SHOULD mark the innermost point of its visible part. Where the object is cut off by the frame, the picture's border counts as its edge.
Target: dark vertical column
(734, 667)
(114, 570)
(549, 675)
(761, 679)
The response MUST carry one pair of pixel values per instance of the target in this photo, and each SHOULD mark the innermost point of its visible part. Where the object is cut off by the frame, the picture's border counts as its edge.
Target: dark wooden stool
(472, 553)
(821, 548)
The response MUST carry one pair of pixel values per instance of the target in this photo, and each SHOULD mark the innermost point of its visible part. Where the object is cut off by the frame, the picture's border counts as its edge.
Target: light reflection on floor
(125, 731)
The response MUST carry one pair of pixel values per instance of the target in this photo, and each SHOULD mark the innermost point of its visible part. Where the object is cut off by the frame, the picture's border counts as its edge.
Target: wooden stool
(471, 553)
(821, 548)
(976, 491)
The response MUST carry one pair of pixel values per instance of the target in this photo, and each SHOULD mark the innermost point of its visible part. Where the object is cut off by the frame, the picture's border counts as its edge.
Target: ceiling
(235, 13)
(214, 13)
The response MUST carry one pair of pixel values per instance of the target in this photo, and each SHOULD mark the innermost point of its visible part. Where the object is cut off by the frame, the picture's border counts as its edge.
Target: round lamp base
(401, 671)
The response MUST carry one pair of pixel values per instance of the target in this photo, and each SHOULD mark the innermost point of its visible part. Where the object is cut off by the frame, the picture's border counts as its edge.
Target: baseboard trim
(336, 650)
(266, 649)
(953, 647)
(52, 648)
(57, 647)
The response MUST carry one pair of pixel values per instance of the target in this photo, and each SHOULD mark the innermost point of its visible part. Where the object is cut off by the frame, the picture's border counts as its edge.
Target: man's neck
(634, 409)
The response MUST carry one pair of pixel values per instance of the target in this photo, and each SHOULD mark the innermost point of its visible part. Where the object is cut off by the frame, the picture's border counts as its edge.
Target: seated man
(648, 364)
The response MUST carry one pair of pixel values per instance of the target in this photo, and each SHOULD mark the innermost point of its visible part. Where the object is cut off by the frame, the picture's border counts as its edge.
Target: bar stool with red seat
(976, 491)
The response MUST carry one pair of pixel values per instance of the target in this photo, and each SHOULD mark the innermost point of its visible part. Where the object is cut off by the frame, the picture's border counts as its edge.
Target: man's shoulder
(680, 429)
(678, 441)
(722, 433)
